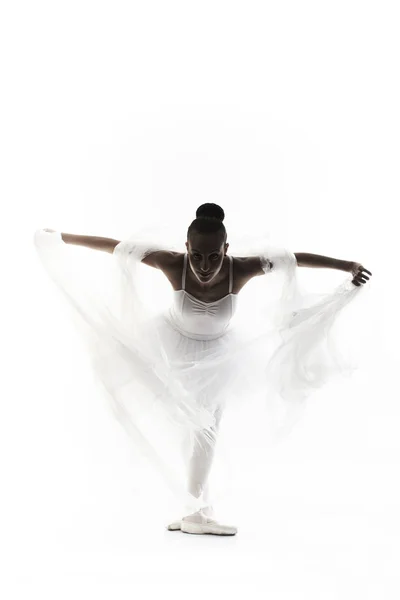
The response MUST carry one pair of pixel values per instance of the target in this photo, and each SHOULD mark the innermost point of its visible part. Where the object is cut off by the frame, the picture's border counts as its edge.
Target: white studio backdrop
(286, 115)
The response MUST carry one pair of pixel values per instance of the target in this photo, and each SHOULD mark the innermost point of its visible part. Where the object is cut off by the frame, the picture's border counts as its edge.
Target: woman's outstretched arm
(305, 259)
(90, 241)
(159, 259)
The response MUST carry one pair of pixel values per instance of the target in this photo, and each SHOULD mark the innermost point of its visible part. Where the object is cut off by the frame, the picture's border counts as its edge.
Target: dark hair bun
(210, 210)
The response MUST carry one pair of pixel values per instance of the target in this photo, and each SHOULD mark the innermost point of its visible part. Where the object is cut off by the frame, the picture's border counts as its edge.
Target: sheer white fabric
(171, 392)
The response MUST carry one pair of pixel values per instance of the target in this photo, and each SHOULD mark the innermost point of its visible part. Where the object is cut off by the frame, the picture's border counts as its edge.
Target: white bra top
(202, 320)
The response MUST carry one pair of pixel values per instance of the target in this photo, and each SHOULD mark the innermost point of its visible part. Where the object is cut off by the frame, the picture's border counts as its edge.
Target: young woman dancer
(171, 376)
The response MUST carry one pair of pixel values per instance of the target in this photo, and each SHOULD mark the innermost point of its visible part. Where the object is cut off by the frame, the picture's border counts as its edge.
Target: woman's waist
(180, 326)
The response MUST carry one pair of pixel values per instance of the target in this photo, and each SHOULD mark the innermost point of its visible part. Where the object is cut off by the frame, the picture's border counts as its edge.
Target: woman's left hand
(357, 270)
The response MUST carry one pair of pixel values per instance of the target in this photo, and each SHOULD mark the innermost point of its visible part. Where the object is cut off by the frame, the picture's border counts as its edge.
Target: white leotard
(198, 319)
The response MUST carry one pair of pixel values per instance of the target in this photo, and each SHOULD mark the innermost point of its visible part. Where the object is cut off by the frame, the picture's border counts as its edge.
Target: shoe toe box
(174, 526)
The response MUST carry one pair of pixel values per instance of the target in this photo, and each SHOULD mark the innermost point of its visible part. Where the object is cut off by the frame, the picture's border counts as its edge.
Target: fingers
(361, 278)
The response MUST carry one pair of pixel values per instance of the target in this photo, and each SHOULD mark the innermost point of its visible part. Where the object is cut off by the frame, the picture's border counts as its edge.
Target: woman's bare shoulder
(165, 260)
(252, 266)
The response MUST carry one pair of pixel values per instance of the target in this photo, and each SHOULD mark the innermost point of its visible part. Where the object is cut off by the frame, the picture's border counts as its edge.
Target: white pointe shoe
(175, 526)
(200, 523)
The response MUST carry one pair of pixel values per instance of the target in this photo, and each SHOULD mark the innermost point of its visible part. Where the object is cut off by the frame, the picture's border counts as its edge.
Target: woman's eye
(196, 256)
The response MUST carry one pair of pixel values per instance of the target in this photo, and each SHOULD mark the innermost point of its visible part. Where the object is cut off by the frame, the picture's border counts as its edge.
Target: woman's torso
(203, 313)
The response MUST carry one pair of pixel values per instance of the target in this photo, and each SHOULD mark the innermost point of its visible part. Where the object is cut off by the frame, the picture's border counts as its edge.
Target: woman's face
(206, 256)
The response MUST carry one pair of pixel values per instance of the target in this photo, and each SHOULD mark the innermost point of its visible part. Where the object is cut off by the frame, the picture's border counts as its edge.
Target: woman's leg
(200, 464)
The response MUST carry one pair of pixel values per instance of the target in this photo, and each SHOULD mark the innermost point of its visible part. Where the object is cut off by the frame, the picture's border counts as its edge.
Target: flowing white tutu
(172, 393)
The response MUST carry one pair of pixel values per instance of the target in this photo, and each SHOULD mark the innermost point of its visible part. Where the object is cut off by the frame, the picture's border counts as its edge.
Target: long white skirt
(185, 403)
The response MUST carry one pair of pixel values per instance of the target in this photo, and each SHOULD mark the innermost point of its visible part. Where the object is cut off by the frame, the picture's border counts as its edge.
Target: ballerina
(188, 361)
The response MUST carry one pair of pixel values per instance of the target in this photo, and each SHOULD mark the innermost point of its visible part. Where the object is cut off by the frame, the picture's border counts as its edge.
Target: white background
(285, 114)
